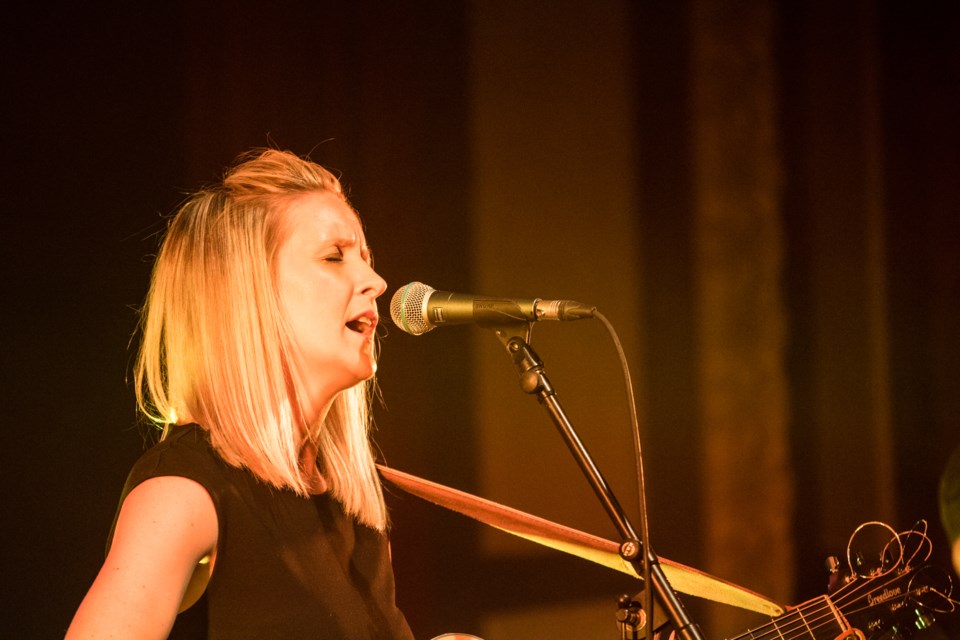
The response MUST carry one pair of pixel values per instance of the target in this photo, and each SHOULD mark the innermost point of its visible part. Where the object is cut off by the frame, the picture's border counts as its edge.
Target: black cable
(641, 489)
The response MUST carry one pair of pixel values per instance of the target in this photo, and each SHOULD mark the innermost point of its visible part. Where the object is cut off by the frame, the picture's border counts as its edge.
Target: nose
(371, 283)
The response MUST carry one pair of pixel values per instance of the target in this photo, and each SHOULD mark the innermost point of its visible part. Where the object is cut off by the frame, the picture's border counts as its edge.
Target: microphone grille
(406, 308)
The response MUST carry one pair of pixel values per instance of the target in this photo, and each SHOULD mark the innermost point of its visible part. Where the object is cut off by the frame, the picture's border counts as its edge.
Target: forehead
(321, 216)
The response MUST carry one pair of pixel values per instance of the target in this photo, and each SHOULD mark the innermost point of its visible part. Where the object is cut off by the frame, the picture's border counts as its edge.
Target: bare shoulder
(180, 504)
(166, 526)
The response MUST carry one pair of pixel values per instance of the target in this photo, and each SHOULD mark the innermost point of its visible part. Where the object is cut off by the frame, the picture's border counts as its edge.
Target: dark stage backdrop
(764, 195)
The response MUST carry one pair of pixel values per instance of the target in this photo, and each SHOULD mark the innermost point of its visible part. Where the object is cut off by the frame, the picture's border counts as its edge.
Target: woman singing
(257, 360)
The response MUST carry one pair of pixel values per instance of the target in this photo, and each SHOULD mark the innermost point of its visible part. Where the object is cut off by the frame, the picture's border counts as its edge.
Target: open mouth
(363, 324)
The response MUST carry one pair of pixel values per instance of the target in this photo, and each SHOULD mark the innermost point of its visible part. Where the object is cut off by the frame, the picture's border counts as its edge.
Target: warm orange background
(763, 197)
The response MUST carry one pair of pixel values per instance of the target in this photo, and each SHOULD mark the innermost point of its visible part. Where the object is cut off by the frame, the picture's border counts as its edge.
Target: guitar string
(827, 619)
(782, 625)
(796, 625)
(846, 592)
(821, 616)
(797, 630)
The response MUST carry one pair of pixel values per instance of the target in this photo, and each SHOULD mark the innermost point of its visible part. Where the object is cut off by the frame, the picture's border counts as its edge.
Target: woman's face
(328, 290)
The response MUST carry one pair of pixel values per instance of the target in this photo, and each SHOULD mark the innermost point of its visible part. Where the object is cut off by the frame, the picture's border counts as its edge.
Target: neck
(316, 483)
(309, 451)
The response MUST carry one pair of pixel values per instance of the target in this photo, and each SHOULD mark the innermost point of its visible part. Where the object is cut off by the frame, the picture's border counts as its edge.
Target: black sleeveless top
(287, 566)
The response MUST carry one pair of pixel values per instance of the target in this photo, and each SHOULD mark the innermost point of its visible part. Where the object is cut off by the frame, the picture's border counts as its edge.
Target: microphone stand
(534, 381)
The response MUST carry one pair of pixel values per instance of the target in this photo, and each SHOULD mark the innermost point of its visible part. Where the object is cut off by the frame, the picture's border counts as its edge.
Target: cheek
(298, 303)
(312, 306)
(308, 312)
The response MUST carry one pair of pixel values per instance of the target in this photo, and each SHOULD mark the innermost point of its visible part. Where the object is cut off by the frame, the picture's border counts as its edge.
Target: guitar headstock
(889, 590)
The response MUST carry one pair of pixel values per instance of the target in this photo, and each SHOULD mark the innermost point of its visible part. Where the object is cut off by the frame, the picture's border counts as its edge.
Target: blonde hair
(217, 349)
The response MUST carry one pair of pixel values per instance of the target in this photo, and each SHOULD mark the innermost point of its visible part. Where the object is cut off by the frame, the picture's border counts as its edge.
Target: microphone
(417, 308)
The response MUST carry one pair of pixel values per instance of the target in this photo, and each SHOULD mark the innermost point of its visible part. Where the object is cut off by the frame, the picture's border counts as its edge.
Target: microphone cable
(647, 603)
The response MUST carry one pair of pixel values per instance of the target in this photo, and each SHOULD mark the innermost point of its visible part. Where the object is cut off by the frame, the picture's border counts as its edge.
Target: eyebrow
(352, 241)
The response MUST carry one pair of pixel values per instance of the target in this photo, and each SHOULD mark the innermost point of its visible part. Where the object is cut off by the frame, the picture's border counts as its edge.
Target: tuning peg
(832, 564)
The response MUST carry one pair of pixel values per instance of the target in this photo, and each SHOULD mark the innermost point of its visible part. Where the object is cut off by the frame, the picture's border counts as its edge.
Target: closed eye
(337, 256)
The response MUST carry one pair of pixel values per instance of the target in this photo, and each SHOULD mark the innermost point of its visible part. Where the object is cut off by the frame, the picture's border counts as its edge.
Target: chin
(364, 372)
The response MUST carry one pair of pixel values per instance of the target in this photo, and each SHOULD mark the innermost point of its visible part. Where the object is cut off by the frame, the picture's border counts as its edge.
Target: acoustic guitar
(893, 597)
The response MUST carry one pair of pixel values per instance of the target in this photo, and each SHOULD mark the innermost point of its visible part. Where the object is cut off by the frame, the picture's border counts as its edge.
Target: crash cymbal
(577, 543)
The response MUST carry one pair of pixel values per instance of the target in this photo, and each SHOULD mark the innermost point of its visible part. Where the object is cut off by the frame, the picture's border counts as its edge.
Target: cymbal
(578, 543)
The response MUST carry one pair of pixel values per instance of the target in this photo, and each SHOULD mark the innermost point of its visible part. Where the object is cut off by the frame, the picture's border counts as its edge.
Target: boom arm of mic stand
(534, 381)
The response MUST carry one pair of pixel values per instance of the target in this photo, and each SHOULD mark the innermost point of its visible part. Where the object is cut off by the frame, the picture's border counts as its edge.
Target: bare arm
(166, 525)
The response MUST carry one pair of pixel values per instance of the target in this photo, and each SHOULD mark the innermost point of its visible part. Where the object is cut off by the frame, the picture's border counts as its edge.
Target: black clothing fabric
(287, 566)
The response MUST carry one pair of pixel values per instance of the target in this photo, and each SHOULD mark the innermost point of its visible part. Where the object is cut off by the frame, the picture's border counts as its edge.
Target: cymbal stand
(630, 618)
(534, 381)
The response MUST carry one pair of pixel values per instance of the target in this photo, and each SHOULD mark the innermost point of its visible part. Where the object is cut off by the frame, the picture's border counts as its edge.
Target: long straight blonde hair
(217, 349)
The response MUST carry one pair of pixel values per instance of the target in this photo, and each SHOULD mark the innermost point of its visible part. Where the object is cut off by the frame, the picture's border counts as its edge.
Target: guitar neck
(816, 619)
